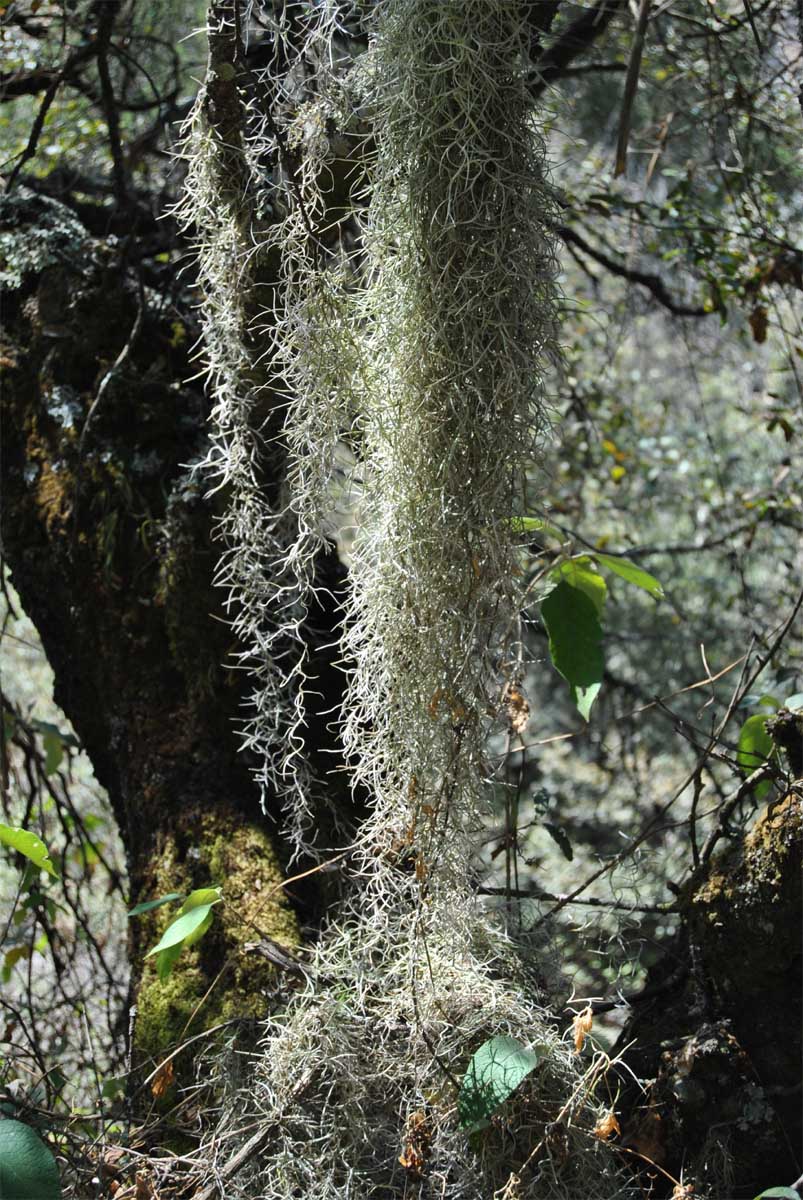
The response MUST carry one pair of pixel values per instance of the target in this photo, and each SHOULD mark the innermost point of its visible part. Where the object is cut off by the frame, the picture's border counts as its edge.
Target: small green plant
(756, 745)
(188, 926)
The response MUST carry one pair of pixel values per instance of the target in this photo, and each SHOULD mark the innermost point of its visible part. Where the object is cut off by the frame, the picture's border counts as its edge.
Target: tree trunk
(719, 1044)
(108, 536)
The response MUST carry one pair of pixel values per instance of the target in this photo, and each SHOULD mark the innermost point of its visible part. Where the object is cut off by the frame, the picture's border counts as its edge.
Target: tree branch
(573, 42)
(653, 283)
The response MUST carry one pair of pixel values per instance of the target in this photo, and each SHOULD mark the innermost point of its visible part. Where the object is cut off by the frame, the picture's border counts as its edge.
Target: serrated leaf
(149, 905)
(28, 1170)
(494, 1073)
(180, 929)
(628, 570)
(579, 573)
(28, 844)
(575, 642)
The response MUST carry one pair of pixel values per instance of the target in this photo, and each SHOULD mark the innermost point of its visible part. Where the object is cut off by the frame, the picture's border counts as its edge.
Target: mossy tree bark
(109, 539)
(719, 1041)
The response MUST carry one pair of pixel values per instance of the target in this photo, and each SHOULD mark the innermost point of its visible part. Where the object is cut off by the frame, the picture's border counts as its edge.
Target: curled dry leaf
(581, 1027)
(418, 1136)
(163, 1079)
(607, 1126)
(683, 1191)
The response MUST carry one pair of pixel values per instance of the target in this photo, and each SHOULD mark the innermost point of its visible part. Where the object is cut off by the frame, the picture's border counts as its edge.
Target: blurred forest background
(678, 417)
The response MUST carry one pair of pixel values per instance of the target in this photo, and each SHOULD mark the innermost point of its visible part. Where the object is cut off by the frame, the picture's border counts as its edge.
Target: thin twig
(234, 1164)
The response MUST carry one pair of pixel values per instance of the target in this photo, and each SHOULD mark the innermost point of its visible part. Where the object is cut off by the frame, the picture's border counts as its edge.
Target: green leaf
(148, 905)
(180, 929)
(624, 568)
(193, 920)
(54, 752)
(793, 703)
(28, 844)
(166, 960)
(28, 1170)
(47, 727)
(779, 1193)
(558, 834)
(579, 573)
(210, 895)
(495, 1071)
(575, 642)
(755, 744)
(535, 525)
(13, 956)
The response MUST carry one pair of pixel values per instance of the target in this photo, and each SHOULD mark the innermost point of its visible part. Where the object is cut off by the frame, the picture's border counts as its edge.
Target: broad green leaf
(535, 525)
(28, 844)
(148, 905)
(779, 1193)
(210, 895)
(493, 1074)
(579, 573)
(193, 920)
(575, 642)
(180, 929)
(28, 1170)
(755, 744)
(793, 703)
(166, 960)
(633, 574)
(198, 933)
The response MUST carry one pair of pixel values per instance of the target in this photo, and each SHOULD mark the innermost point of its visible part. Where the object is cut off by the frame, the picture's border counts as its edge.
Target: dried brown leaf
(607, 1126)
(581, 1027)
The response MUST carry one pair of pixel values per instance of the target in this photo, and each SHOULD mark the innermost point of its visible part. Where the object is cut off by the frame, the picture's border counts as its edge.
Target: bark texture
(720, 1046)
(109, 539)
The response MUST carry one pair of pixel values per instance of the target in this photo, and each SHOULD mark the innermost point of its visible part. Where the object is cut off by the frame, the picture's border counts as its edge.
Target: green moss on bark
(213, 848)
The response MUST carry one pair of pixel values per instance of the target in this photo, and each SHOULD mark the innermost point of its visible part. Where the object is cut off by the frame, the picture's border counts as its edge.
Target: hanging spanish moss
(428, 343)
(271, 274)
